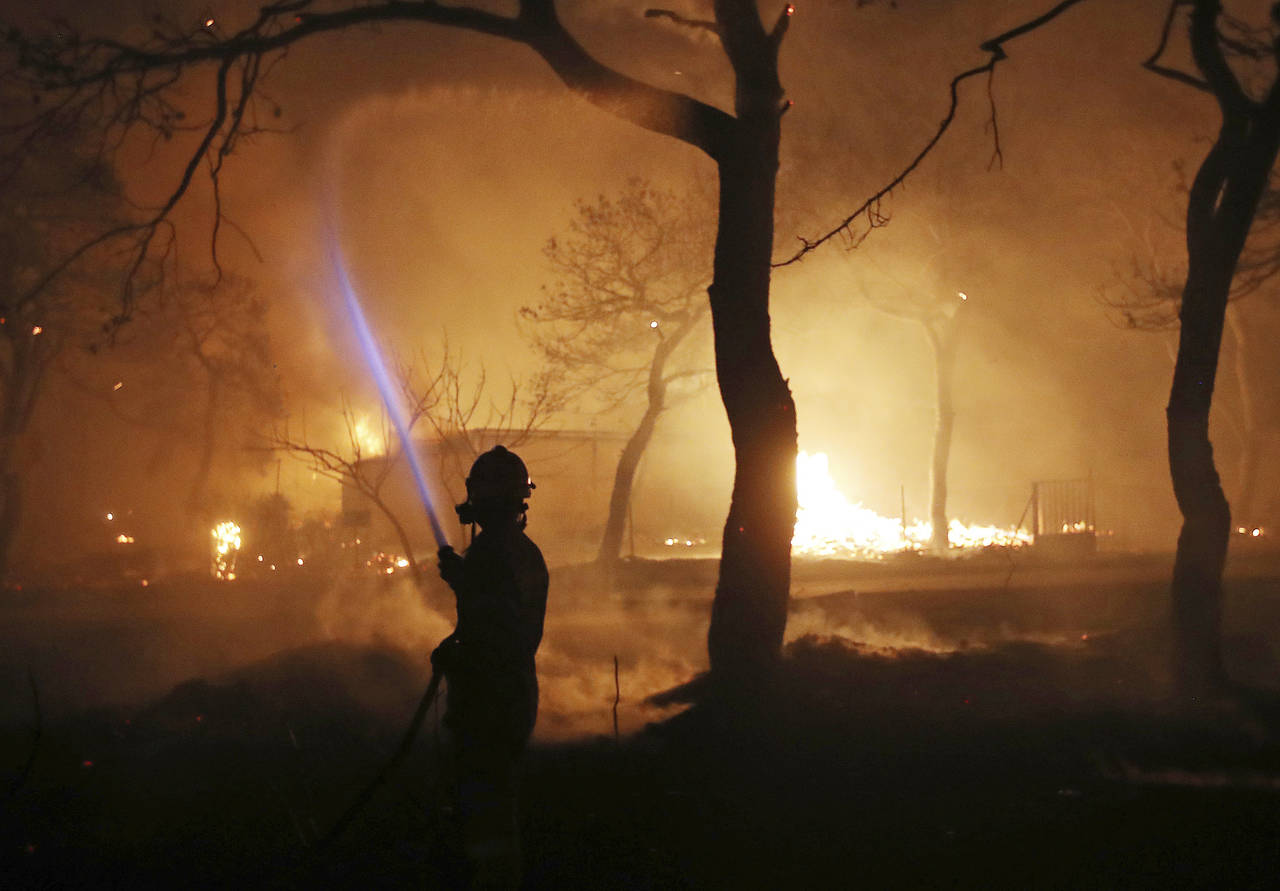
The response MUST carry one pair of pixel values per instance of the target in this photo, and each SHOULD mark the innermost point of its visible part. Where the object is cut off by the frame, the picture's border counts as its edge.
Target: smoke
(390, 612)
(655, 632)
(656, 648)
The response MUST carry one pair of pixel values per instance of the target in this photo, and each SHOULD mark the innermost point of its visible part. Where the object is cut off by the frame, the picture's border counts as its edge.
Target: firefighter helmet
(499, 473)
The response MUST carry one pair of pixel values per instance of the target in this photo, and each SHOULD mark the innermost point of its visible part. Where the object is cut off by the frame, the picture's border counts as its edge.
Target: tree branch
(119, 86)
(870, 209)
(1152, 62)
(1212, 62)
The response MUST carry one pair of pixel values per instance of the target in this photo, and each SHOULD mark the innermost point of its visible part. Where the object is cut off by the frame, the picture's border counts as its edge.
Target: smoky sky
(451, 158)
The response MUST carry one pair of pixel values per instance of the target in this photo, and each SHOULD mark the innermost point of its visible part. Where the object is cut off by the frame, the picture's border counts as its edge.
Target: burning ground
(990, 722)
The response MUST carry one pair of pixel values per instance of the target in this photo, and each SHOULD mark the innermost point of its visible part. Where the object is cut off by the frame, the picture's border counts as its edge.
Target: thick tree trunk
(1221, 207)
(1247, 473)
(749, 614)
(1206, 528)
(942, 339)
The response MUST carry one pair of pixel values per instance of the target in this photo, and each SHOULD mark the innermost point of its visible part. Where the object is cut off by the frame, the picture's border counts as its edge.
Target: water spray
(395, 411)
(386, 389)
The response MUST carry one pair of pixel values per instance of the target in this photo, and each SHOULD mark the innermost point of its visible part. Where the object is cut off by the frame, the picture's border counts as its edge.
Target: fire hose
(401, 752)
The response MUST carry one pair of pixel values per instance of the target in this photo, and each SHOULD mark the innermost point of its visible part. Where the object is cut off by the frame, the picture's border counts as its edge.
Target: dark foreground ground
(1048, 755)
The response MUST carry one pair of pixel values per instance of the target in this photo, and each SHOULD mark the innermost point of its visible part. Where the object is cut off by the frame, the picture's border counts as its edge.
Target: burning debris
(226, 548)
(368, 439)
(387, 563)
(828, 525)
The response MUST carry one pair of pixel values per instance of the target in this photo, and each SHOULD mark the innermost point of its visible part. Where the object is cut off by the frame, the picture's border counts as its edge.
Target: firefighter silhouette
(488, 662)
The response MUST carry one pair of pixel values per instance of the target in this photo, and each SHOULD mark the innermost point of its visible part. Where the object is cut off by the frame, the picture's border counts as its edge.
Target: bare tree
(1149, 298)
(926, 298)
(437, 397)
(349, 464)
(209, 337)
(631, 288)
(128, 86)
(1224, 198)
(54, 195)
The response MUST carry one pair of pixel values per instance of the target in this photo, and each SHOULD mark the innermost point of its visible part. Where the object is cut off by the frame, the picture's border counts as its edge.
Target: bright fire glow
(828, 525)
(370, 441)
(124, 539)
(226, 547)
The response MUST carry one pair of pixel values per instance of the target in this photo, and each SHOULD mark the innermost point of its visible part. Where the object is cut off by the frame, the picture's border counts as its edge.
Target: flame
(370, 441)
(124, 539)
(828, 525)
(226, 547)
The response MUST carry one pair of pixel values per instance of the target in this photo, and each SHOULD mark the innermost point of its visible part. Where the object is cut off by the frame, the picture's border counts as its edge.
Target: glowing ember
(124, 539)
(226, 547)
(828, 525)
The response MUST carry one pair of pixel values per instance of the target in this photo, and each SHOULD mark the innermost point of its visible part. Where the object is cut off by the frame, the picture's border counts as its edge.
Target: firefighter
(501, 590)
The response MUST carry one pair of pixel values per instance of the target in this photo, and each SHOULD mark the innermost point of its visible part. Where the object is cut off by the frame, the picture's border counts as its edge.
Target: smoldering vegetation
(1017, 731)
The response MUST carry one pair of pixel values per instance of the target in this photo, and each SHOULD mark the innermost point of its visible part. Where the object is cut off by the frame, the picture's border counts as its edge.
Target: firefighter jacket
(489, 660)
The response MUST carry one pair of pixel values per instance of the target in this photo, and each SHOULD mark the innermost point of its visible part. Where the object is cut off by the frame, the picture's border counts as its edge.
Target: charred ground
(990, 730)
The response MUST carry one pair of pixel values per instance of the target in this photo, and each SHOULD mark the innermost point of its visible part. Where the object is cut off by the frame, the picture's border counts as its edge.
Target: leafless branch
(1152, 62)
(118, 88)
(870, 211)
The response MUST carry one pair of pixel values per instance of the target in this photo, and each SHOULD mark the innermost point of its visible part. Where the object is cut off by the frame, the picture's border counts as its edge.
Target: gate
(1063, 515)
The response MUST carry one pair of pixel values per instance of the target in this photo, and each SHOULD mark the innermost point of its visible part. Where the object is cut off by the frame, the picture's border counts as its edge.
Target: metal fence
(1063, 507)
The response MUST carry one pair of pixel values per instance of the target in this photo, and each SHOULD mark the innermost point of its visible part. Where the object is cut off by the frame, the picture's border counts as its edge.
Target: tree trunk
(1247, 475)
(1206, 527)
(208, 444)
(749, 613)
(623, 480)
(625, 474)
(943, 340)
(1223, 200)
(29, 356)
